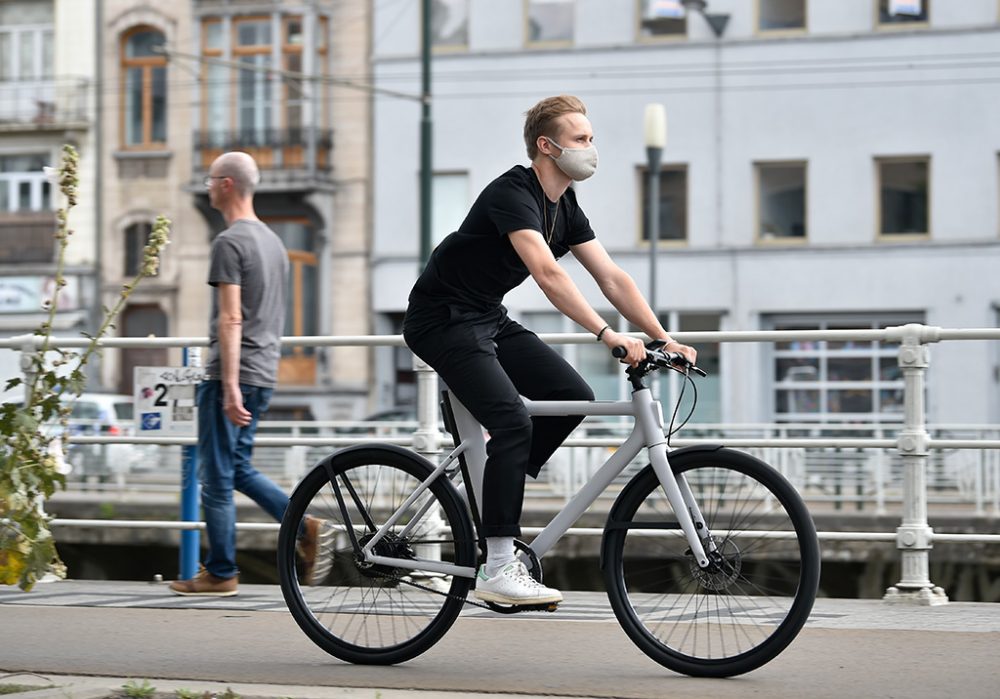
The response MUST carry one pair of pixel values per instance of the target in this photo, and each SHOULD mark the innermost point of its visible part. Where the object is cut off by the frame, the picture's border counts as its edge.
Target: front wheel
(363, 612)
(759, 588)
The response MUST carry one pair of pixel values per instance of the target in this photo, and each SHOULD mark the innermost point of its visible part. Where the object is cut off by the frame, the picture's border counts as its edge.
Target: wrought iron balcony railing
(273, 149)
(43, 102)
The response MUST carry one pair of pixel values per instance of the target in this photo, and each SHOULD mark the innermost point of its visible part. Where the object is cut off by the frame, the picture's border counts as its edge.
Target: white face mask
(577, 163)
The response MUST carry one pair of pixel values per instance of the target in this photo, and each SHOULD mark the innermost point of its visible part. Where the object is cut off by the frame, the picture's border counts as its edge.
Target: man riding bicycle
(520, 225)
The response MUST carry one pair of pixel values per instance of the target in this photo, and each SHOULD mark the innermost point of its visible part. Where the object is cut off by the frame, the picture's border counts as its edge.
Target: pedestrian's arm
(620, 289)
(230, 338)
(560, 290)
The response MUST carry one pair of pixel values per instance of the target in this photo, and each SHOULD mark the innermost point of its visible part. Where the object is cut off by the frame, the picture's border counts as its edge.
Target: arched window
(136, 237)
(144, 89)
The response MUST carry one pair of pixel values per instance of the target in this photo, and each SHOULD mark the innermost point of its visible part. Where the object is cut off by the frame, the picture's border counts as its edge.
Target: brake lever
(679, 361)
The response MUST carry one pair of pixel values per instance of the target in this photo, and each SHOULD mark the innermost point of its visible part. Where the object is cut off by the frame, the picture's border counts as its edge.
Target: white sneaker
(513, 585)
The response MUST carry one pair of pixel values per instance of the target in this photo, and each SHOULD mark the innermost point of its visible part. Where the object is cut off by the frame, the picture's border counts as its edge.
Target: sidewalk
(90, 637)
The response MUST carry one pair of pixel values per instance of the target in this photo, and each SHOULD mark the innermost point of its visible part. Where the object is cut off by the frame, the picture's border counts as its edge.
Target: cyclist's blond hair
(538, 121)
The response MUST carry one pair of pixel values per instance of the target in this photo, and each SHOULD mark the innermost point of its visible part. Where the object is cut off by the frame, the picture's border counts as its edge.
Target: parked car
(108, 415)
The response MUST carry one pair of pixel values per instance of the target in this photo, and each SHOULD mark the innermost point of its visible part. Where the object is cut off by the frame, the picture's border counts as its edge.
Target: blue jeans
(224, 452)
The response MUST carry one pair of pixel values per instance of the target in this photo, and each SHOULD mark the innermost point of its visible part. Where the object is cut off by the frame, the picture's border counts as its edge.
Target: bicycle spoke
(740, 610)
(377, 612)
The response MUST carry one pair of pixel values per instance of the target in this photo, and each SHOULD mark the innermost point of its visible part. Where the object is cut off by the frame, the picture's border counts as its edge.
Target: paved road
(850, 648)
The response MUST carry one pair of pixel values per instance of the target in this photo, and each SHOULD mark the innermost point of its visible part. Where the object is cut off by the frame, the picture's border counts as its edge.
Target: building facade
(828, 165)
(47, 98)
(188, 81)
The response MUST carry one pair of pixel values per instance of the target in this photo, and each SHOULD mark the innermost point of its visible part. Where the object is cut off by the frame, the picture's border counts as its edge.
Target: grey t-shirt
(252, 256)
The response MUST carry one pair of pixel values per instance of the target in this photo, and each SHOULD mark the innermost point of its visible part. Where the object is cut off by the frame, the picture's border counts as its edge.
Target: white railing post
(29, 368)
(914, 537)
(426, 439)
(427, 443)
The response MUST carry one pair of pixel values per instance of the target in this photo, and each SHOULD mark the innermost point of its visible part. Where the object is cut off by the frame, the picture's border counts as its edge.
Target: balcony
(27, 237)
(281, 154)
(38, 104)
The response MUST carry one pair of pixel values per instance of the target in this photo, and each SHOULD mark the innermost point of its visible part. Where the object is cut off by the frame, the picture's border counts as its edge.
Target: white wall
(836, 97)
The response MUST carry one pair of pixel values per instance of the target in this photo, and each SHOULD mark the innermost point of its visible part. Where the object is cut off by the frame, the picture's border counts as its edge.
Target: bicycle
(710, 558)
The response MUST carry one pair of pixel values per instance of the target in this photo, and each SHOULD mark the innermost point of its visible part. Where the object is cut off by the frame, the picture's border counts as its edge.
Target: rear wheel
(759, 588)
(374, 613)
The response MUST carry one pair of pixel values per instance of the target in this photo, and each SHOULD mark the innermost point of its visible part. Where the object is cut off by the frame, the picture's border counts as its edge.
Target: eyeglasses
(208, 180)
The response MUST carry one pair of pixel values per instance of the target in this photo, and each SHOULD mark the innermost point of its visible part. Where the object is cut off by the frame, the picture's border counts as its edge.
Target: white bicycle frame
(647, 432)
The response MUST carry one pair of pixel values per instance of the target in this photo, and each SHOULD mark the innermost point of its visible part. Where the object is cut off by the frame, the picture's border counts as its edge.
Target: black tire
(375, 615)
(749, 605)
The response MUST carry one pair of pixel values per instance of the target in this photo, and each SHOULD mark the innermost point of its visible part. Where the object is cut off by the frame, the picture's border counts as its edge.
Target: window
(26, 40)
(662, 19)
(450, 203)
(254, 100)
(778, 15)
(781, 201)
(450, 24)
(298, 364)
(550, 21)
(27, 91)
(903, 12)
(903, 196)
(673, 203)
(822, 381)
(250, 109)
(136, 237)
(709, 408)
(23, 185)
(144, 89)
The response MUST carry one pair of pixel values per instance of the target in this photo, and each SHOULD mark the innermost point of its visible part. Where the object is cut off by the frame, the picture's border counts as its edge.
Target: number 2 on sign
(161, 395)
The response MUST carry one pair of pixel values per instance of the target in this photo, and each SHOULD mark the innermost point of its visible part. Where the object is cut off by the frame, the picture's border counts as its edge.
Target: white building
(829, 165)
(47, 62)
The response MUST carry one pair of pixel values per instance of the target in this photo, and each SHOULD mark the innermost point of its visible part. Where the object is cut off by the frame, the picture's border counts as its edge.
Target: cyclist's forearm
(625, 296)
(562, 293)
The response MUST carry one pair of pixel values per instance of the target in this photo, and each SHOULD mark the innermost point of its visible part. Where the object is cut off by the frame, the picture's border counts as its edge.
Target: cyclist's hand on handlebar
(635, 350)
(689, 353)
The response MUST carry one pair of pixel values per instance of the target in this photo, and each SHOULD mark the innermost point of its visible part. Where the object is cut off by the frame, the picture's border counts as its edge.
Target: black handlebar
(658, 358)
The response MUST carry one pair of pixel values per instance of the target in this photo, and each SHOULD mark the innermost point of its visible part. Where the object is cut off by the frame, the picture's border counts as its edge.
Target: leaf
(13, 383)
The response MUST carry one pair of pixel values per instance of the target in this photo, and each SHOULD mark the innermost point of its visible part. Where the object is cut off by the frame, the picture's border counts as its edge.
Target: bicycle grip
(619, 352)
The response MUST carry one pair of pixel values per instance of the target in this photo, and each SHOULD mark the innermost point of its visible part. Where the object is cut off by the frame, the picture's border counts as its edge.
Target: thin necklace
(545, 209)
(545, 217)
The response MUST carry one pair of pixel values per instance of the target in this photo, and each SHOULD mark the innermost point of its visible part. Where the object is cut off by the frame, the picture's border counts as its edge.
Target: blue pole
(190, 538)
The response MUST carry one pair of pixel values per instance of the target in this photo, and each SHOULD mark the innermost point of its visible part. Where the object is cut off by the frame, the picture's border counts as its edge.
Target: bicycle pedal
(544, 607)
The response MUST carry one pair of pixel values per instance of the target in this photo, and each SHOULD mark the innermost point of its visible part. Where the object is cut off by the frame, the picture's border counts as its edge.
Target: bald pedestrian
(248, 273)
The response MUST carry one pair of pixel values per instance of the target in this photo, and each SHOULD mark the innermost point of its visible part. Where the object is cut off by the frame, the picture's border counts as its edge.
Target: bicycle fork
(649, 415)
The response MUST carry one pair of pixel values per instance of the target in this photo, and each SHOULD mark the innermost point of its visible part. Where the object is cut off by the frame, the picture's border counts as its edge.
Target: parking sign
(165, 400)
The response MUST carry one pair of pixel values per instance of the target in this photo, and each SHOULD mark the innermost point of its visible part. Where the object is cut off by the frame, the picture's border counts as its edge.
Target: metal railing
(43, 102)
(906, 467)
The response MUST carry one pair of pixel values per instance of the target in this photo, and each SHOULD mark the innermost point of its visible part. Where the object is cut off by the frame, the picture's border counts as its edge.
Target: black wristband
(606, 327)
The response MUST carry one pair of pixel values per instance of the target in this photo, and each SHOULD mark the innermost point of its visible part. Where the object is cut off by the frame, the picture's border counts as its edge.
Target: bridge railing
(903, 463)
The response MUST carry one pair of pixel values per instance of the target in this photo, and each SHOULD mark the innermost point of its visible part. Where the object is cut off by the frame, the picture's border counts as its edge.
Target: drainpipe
(99, 171)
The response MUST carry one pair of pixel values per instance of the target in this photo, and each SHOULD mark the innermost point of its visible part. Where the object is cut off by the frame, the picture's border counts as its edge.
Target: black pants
(488, 362)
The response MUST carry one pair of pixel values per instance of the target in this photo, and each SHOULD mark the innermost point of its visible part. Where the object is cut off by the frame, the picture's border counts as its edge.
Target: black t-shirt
(474, 267)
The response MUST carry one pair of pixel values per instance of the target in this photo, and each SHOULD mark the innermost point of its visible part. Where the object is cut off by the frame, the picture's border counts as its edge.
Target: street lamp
(656, 139)
(717, 22)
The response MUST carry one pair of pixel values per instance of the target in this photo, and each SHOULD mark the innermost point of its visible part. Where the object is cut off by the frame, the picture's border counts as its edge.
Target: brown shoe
(204, 584)
(316, 550)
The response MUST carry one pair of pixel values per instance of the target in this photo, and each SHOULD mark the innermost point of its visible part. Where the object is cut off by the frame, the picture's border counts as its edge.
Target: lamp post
(656, 139)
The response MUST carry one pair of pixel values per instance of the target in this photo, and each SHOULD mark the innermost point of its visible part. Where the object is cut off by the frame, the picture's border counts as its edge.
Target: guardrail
(912, 442)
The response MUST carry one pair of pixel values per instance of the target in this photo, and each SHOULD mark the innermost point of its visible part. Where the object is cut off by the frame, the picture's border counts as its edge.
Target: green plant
(186, 694)
(17, 688)
(229, 694)
(31, 451)
(133, 690)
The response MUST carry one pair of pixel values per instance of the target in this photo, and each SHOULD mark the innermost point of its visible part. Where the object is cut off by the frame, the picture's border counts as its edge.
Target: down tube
(587, 494)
